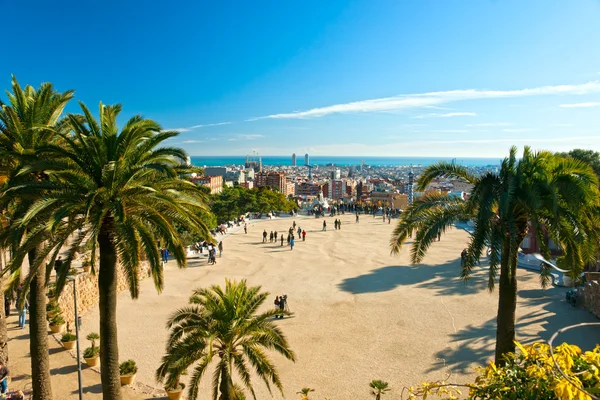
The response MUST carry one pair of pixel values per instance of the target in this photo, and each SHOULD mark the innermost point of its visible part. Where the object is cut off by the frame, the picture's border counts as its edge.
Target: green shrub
(57, 320)
(68, 337)
(91, 352)
(128, 367)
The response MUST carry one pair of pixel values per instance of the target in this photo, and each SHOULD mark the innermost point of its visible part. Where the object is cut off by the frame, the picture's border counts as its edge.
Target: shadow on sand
(474, 345)
(443, 278)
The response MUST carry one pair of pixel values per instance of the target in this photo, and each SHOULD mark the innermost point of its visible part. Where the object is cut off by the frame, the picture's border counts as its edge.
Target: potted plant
(92, 354)
(52, 309)
(128, 370)
(57, 323)
(51, 294)
(175, 390)
(86, 265)
(68, 340)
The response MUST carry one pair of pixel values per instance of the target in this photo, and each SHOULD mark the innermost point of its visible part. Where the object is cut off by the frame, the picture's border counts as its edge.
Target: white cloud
(452, 130)
(518, 130)
(490, 124)
(581, 105)
(192, 141)
(249, 137)
(411, 101)
(447, 115)
(207, 125)
(176, 130)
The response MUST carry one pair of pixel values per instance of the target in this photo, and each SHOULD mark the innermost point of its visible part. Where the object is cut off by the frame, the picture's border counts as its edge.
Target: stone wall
(591, 293)
(87, 292)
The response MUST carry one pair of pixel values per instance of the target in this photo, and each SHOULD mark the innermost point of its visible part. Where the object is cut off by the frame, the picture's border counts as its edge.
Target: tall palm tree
(554, 196)
(379, 388)
(123, 191)
(223, 326)
(29, 121)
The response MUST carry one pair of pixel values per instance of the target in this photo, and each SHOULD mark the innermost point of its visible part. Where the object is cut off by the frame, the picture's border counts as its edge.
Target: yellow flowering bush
(528, 374)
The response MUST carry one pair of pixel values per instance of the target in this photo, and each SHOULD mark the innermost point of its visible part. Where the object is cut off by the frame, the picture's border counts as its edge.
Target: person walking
(282, 240)
(292, 243)
(245, 227)
(357, 218)
(289, 238)
(324, 226)
(299, 231)
(7, 301)
(221, 248)
(275, 235)
(265, 236)
(303, 236)
(294, 225)
(339, 224)
(4, 375)
(271, 237)
(276, 303)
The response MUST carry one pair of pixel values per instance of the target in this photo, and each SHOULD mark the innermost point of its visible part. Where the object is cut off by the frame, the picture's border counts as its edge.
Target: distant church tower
(411, 182)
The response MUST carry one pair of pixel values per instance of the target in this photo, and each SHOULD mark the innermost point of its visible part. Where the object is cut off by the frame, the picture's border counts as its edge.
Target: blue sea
(213, 161)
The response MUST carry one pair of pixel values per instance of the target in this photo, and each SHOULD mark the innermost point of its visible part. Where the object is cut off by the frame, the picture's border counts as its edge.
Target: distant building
(215, 171)
(308, 189)
(411, 183)
(336, 189)
(390, 199)
(293, 159)
(247, 184)
(306, 159)
(275, 180)
(215, 183)
(290, 189)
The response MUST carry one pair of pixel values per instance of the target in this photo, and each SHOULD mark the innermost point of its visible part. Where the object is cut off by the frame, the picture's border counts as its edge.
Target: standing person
(275, 236)
(282, 240)
(289, 238)
(221, 248)
(357, 218)
(166, 255)
(4, 375)
(294, 225)
(303, 236)
(292, 243)
(265, 236)
(245, 227)
(299, 231)
(271, 237)
(7, 301)
(276, 302)
(339, 224)
(22, 310)
(58, 265)
(324, 226)
(281, 306)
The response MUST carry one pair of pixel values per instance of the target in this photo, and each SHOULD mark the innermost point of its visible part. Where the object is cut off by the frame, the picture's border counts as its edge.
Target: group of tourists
(9, 296)
(281, 304)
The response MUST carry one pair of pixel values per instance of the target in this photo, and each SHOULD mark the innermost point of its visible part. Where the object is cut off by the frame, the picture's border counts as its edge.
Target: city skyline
(341, 78)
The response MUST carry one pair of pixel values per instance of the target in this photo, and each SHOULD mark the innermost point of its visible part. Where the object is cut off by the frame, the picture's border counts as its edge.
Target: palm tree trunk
(507, 304)
(226, 386)
(3, 327)
(107, 288)
(38, 334)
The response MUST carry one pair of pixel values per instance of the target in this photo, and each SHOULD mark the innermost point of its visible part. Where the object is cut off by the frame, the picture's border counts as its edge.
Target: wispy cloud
(581, 105)
(518, 130)
(451, 130)
(192, 141)
(207, 125)
(447, 115)
(490, 124)
(189, 128)
(249, 136)
(412, 101)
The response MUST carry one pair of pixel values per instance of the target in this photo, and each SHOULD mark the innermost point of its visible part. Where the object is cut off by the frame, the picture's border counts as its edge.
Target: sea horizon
(344, 161)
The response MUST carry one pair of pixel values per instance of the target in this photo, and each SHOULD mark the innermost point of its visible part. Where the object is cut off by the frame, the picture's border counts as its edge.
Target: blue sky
(454, 78)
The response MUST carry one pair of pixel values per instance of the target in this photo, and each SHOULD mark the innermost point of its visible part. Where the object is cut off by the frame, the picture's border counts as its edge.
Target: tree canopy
(235, 201)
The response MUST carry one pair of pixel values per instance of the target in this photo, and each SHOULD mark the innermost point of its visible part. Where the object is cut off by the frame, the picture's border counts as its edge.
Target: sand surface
(360, 313)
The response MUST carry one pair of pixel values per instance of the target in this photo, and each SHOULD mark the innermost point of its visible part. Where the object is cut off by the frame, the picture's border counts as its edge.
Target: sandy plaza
(359, 312)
